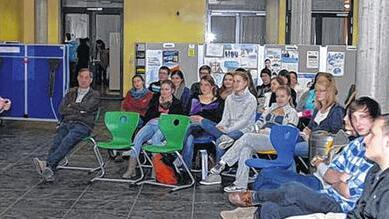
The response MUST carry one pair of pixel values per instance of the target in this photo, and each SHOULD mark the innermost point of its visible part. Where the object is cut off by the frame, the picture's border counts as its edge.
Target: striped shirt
(351, 161)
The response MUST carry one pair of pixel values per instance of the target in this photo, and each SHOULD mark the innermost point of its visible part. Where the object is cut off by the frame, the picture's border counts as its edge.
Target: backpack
(164, 171)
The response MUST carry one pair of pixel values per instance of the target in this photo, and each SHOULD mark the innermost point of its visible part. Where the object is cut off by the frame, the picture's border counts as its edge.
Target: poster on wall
(214, 50)
(290, 58)
(274, 55)
(335, 63)
(153, 62)
(233, 56)
(312, 59)
(170, 59)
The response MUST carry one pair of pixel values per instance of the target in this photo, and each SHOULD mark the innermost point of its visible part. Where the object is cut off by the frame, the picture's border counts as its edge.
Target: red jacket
(140, 105)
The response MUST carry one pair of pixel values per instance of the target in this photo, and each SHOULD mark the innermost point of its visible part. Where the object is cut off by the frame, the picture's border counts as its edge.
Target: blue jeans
(210, 127)
(149, 131)
(273, 178)
(292, 199)
(68, 135)
(302, 149)
(194, 131)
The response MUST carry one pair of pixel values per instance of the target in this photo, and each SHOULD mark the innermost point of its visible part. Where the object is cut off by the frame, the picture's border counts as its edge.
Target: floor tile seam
(20, 198)
(136, 199)
(76, 201)
(193, 201)
(22, 158)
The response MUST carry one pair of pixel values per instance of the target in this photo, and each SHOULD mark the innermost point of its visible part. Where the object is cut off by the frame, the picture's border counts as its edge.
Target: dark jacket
(84, 112)
(185, 100)
(375, 197)
(153, 110)
(195, 89)
(333, 123)
(155, 87)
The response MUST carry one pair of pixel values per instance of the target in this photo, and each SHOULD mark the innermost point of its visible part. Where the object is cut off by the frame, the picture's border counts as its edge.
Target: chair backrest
(174, 128)
(283, 139)
(121, 125)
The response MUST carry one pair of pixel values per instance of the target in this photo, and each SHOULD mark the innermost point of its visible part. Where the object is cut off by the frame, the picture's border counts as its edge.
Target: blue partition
(38, 99)
(28, 85)
(12, 78)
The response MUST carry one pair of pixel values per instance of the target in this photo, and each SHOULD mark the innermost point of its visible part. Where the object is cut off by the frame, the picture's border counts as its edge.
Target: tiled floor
(24, 195)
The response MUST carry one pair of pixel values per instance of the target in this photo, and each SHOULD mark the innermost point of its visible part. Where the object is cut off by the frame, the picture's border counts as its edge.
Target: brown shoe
(241, 199)
(132, 162)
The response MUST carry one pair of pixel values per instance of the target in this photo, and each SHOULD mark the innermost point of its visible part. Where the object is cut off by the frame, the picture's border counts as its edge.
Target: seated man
(163, 74)
(375, 196)
(5, 104)
(345, 177)
(78, 110)
(361, 114)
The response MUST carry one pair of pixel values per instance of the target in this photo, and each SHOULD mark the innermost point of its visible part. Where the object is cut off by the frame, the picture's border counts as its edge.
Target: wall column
(41, 21)
(271, 36)
(372, 76)
(301, 22)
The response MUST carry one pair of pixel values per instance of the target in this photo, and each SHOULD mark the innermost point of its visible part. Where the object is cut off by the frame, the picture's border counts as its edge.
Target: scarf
(165, 103)
(179, 91)
(138, 94)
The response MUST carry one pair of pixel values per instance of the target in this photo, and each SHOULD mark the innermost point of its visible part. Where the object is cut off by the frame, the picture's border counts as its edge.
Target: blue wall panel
(12, 78)
(14, 86)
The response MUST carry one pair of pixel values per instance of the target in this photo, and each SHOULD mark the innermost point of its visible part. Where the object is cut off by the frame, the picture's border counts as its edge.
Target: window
(237, 21)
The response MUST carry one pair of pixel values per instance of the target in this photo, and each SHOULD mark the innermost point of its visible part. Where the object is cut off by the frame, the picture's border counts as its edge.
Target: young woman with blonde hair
(328, 114)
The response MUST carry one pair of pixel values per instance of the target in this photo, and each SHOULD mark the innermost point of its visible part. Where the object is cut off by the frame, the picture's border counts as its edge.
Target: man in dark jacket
(78, 110)
(375, 197)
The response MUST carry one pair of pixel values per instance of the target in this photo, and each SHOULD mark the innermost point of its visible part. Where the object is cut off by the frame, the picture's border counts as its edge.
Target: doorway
(99, 24)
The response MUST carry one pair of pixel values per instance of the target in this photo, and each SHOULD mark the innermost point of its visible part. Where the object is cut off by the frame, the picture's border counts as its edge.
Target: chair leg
(66, 166)
(101, 176)
(174, 187)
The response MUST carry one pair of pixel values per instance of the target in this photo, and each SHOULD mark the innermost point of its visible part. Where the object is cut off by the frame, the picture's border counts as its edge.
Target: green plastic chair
(122, 126)
(90, 139)
(174, 128)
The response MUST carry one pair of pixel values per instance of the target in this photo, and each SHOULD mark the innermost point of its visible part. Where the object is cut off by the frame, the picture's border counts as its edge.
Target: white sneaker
(239, 213)
(234, 188)
(225, 141)
(212, 179)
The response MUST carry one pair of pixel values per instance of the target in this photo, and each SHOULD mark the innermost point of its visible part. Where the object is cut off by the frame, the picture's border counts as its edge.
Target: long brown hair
(287, 91)
(223, 88)
(326, 80)
(208, 78)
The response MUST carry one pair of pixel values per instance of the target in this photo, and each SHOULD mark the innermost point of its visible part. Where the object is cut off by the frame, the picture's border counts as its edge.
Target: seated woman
(284, 74)
(137, 98)
(255, 138)
(270, 97)
(182, 93)
(306, 104)
(328, 114)
(5, 104)
(227, 86)
(206, 106)
(294, 84)
(239, 111)
(163, 102)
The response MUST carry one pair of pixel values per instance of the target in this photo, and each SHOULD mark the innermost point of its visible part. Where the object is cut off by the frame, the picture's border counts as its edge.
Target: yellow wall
(156, 21)
(53, 21)
(28, 21)
(281, 21)
(11, 20)
(355, 22)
